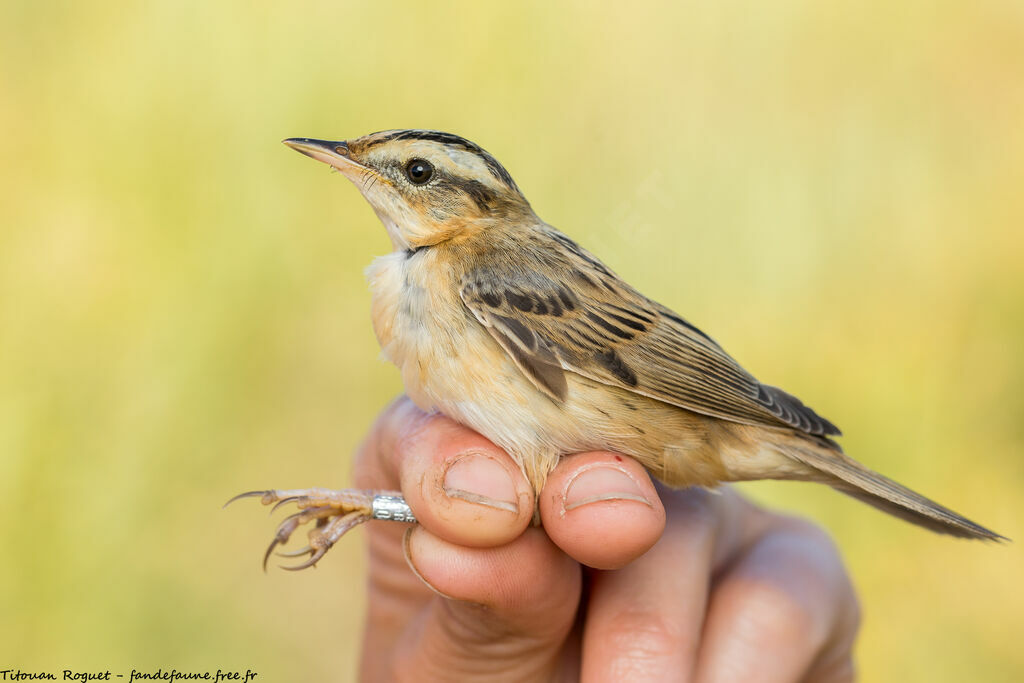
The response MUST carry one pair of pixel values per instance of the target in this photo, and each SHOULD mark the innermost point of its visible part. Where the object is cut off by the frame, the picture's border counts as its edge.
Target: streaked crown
(426, 186)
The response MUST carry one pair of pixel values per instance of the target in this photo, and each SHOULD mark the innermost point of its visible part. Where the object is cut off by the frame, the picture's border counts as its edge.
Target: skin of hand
(624, 581)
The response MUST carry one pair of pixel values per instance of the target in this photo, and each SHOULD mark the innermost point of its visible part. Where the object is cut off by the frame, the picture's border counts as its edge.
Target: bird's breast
(423, 327)
(448, 360)
(450, 363)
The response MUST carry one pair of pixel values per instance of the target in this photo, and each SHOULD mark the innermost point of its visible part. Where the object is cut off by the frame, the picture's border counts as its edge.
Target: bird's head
(425, 186)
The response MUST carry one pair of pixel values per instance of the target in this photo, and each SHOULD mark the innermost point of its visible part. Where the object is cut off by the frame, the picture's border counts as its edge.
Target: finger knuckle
(642, 636)
(772, 611)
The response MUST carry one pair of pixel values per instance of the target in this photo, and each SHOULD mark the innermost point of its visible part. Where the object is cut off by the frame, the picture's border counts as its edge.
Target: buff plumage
(505, 324)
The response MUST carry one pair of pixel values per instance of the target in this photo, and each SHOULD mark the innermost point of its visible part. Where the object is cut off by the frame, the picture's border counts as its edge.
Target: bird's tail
(850, 477)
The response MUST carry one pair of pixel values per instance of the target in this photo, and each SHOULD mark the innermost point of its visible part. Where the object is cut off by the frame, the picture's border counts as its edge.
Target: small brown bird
(503, 323)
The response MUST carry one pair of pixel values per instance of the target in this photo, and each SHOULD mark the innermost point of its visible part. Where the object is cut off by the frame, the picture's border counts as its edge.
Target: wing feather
(568, 312)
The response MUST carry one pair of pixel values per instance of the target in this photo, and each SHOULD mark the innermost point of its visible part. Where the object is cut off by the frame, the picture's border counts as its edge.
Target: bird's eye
(419, 171)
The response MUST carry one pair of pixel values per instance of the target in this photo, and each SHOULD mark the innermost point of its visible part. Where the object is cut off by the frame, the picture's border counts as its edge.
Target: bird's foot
(332, 513)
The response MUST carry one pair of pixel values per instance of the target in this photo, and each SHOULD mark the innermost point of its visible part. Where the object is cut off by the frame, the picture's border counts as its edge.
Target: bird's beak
(332, 153)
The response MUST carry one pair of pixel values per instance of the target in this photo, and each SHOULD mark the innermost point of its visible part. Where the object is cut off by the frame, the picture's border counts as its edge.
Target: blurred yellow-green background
(833, 190)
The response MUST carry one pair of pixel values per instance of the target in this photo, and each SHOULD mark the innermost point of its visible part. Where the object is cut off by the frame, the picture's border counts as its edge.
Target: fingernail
(599, 483)
(478, 478)
(407, 551)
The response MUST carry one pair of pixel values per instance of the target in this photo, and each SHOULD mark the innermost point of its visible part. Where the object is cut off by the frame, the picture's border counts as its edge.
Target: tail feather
(850, 477)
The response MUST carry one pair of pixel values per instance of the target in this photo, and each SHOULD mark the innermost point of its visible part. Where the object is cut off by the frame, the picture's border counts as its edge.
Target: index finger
(461, 487)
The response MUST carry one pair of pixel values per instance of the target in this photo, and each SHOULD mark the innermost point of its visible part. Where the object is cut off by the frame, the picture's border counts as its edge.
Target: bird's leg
(333, 513)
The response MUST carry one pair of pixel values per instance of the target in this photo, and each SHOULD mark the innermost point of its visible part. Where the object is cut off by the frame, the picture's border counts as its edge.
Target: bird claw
(332, 513)
(247, 494)
(311, 562)
(283, 501)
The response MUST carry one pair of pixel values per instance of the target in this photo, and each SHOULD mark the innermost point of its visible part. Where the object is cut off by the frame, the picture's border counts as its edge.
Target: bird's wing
(577, 316)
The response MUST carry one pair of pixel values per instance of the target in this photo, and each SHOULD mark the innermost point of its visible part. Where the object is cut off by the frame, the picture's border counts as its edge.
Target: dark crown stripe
(496, 169)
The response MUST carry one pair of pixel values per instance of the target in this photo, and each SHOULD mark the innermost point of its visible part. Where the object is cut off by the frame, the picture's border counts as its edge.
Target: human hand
(691, 586)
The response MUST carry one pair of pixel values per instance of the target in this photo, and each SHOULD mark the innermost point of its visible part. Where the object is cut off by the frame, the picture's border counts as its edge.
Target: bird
(505, 324)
